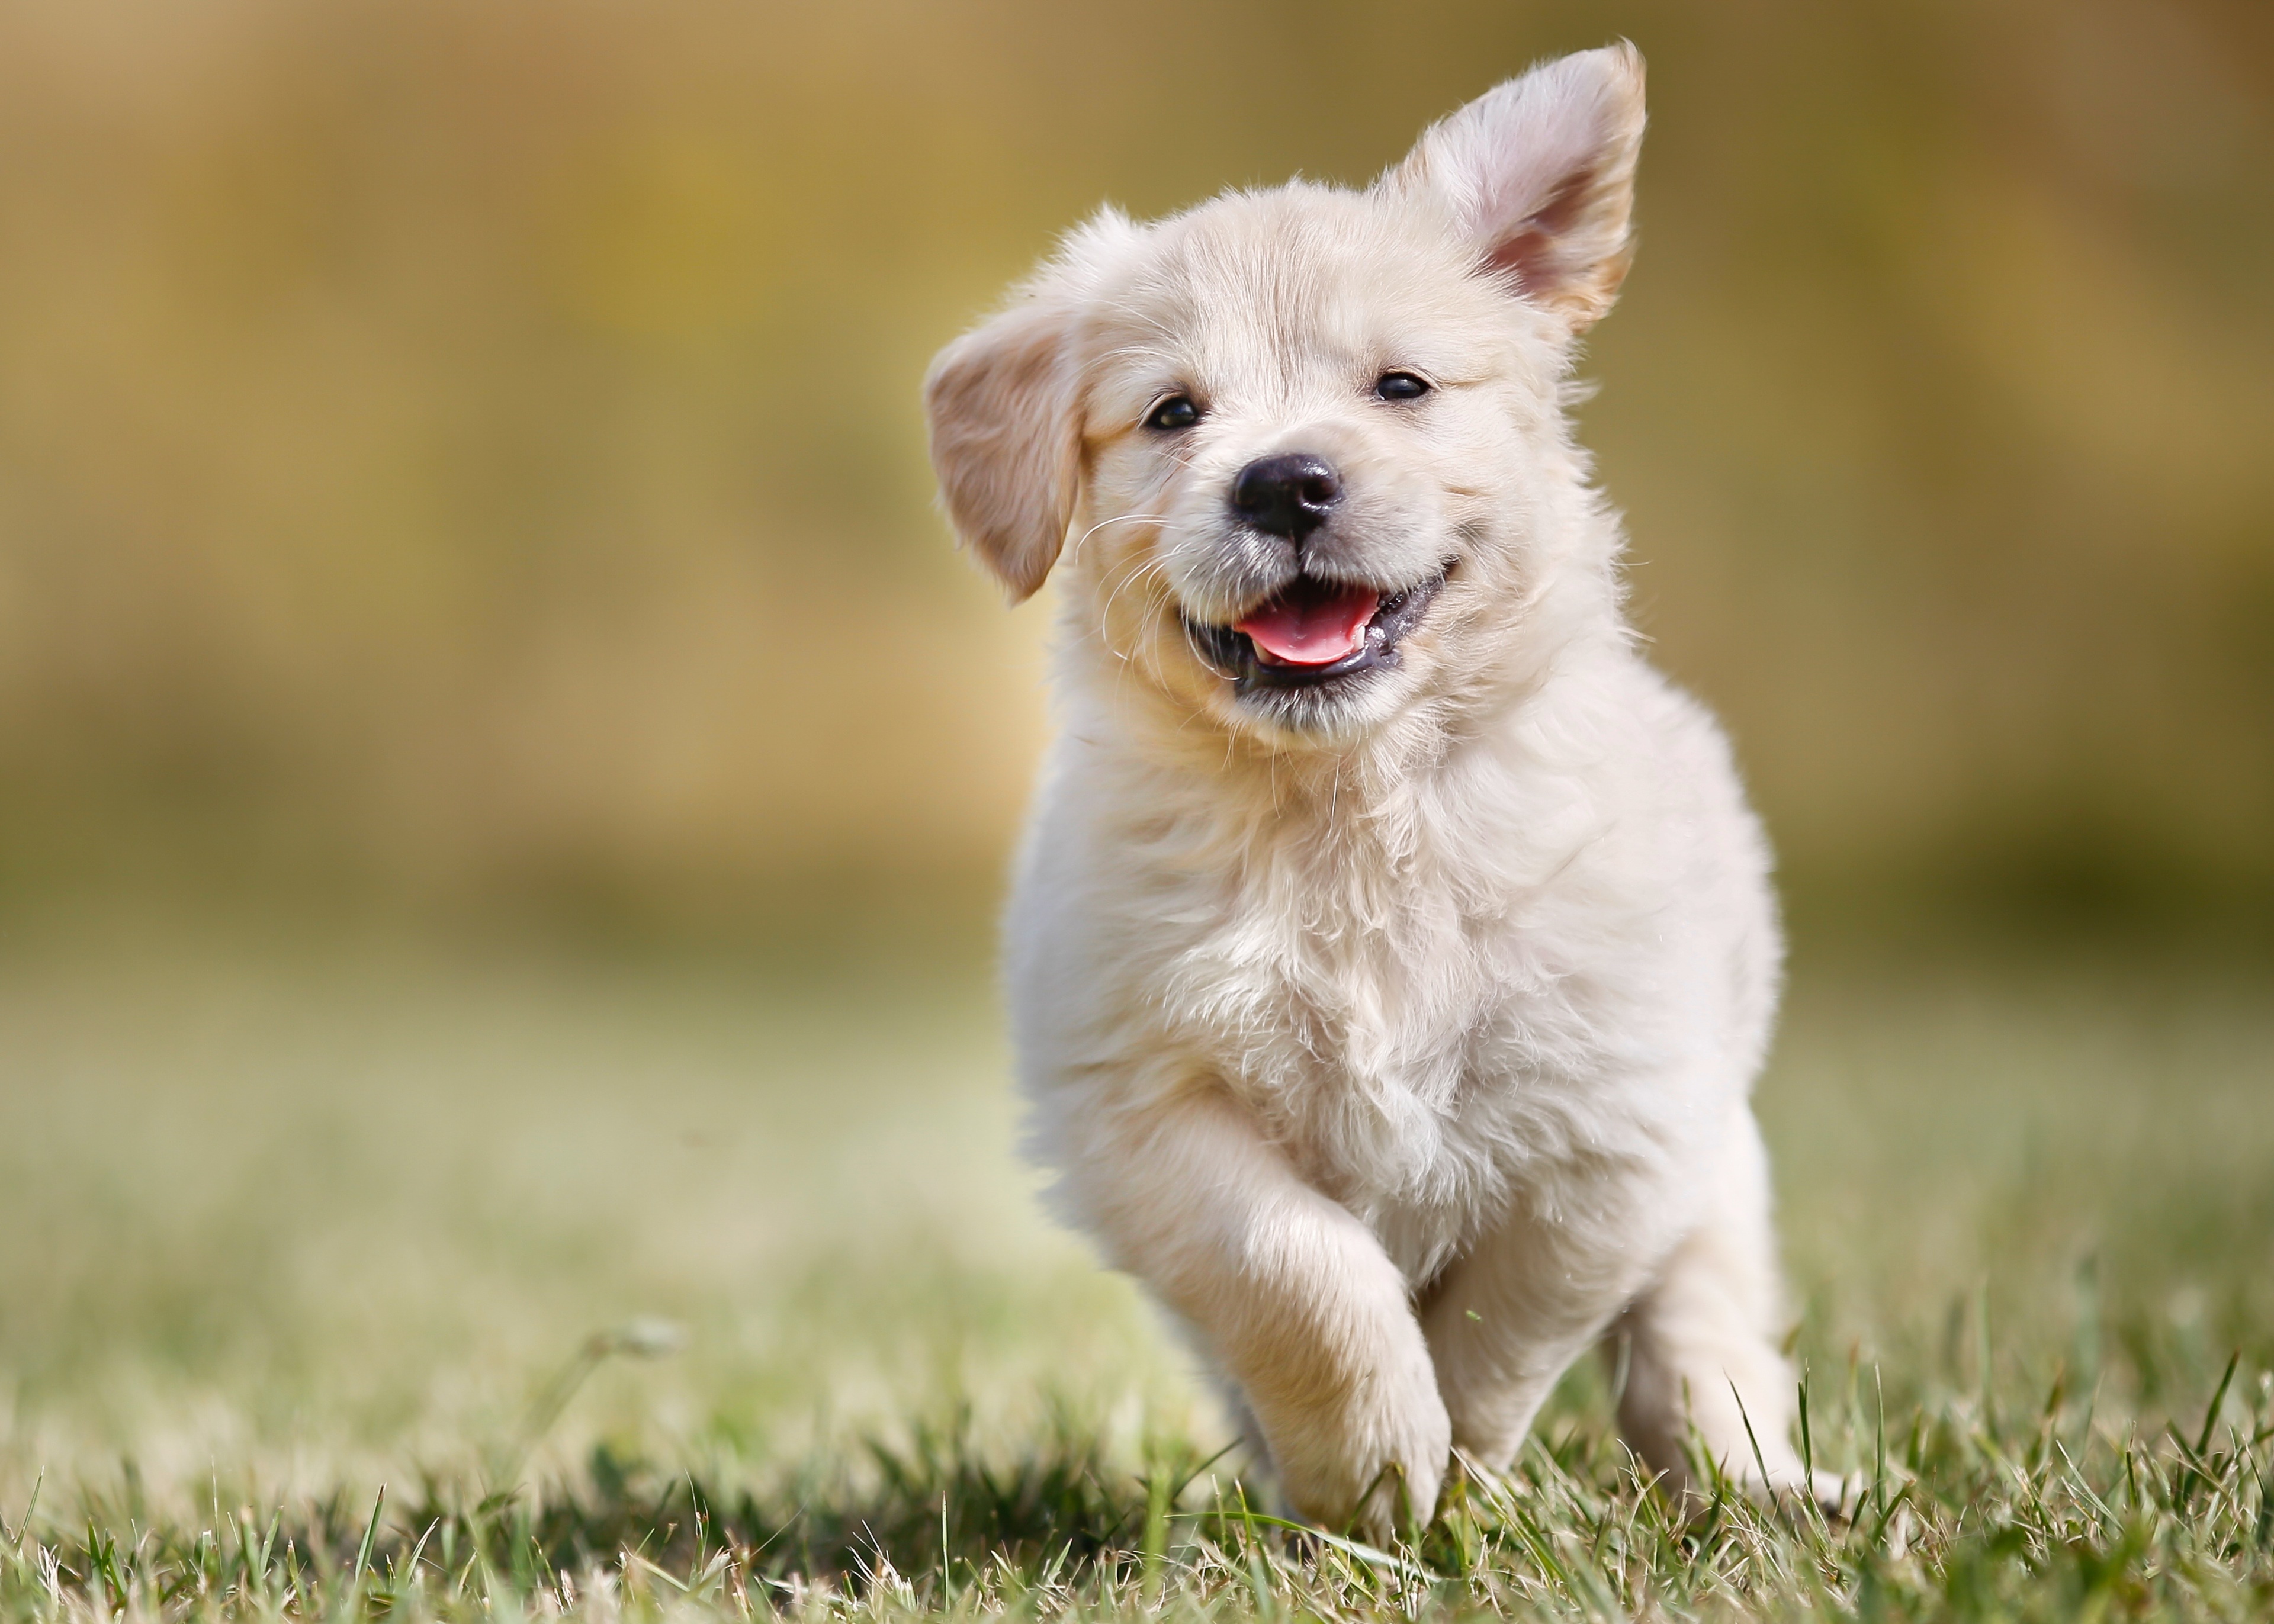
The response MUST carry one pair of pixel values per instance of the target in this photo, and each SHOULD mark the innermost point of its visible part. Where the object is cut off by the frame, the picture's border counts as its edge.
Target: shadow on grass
(935, 1507)
(935, 1512)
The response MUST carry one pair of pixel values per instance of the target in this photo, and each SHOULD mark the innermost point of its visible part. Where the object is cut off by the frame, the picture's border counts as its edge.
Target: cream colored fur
(1401, 1044)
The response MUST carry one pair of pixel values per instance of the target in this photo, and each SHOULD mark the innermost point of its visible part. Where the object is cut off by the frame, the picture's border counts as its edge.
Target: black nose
(1288, 495)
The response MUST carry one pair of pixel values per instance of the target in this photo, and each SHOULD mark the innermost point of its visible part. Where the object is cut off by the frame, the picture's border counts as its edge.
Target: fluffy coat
(1397, 1031)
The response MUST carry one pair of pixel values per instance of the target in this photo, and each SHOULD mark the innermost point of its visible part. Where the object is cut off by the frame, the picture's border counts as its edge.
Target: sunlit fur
(1399, 1038)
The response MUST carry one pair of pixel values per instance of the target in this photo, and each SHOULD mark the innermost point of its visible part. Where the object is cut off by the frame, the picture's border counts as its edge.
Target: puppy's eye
(1401, 386)
(1179, 411)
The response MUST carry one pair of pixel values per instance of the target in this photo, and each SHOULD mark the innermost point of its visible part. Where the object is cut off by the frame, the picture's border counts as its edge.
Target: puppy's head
(1301, 453)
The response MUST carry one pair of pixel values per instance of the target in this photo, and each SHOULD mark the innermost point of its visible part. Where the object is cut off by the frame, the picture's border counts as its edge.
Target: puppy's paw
(1789, 1484)
(1833, 1496)
(1836, 1496)
(1372, 1468)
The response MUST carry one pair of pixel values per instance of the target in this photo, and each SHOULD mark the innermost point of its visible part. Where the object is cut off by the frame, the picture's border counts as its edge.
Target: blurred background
(461, 483)
(468, 457)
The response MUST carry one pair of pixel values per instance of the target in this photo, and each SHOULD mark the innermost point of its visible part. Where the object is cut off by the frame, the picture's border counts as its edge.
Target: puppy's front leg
(1293, 1296)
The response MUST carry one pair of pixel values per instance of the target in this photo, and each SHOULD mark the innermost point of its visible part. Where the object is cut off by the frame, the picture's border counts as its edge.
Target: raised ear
(1005, 439)
(1539, 171)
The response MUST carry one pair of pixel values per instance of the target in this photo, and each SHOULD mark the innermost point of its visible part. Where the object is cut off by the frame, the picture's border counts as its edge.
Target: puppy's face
(1307, 429)
(1295, 446)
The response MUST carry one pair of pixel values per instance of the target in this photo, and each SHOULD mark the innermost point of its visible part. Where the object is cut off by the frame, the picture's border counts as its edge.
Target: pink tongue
(1311, 629)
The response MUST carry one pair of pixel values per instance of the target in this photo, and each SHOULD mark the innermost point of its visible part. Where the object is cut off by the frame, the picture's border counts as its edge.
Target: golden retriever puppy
(1392, 950)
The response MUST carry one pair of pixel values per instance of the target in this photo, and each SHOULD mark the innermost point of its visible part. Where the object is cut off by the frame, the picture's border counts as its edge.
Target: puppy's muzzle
(1288, 495)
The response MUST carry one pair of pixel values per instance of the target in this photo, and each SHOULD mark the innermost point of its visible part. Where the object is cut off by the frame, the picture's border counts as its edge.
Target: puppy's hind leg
(1703, 1341)
(1507, 1319)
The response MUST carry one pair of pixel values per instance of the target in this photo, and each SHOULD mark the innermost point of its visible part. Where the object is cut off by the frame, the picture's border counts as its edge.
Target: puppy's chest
(1338, 1006)
(1383, 1042)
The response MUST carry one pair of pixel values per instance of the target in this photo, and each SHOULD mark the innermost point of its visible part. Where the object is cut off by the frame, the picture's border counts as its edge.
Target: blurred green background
(467, 458)
(503, 778)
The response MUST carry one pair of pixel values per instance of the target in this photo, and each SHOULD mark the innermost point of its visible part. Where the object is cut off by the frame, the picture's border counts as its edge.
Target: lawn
(486, 1282)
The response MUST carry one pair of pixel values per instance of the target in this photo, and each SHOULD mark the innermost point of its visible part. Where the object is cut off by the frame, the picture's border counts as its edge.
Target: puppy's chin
(1339, 713)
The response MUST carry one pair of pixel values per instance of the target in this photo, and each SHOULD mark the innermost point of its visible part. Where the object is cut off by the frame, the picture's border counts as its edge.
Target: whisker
(1075, 552)
(1105, 636)
(1105, 614)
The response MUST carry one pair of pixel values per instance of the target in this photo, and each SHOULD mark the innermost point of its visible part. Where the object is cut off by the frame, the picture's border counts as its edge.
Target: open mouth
(1313, 633)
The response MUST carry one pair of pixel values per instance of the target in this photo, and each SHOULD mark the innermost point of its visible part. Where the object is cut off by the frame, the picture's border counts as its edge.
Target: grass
(390, 1281)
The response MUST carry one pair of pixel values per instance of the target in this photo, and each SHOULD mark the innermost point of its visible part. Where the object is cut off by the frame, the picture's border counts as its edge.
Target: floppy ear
(1539, 171)
(1005, 440)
